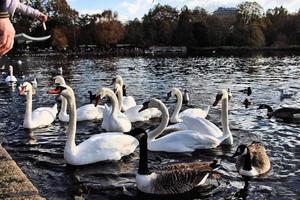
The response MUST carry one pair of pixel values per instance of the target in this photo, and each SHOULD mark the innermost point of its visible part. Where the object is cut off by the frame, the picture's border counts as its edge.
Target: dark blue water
(40, 152)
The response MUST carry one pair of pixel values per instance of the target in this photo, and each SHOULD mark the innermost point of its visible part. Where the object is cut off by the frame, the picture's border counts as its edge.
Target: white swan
(128, 101)
(133, 113)
(178, 141)
(87, 112)
(40, 117)
(100, 147)
(206, 127)
(11, 77)
(115, 120)
(191, 112)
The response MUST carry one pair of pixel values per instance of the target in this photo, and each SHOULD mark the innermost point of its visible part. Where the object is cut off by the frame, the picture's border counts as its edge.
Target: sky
(130, 9)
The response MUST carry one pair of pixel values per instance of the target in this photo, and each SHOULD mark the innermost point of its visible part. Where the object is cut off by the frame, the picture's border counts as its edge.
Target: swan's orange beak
(22, 90)
(54, 91)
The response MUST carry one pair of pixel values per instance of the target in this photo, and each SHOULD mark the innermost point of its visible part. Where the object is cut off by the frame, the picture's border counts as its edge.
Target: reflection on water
(40, 152)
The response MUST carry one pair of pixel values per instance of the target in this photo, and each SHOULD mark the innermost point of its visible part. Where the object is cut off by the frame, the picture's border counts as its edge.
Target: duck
(133, 113)
(114, 120)
(247, 102)
(110, 146)
(185, 97)
(285, 113)
(247, 91)
(191, 112)
(180, 141)
(11, 77)
(284, 95)
(128, 101)
(252, 160)
(206, 127)
(88, 112)
(170, 179)
(40, 117)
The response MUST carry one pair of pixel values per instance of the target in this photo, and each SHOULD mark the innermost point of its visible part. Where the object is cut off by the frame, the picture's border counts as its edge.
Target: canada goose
(169, 179)
(286, 113)
(252, 160)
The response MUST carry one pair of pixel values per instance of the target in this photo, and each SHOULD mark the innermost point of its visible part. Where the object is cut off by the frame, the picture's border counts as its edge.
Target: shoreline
(191, 52)
(14, 184)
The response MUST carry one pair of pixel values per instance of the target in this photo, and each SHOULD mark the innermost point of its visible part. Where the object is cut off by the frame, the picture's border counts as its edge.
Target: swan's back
(100, 147)
(193, 112)
(90, 112)
(183, 141)
(202, 126)
(42, 117)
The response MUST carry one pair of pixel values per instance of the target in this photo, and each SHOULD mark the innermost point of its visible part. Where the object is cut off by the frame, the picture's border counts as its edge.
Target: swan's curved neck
(28, 112)
(120, 99)
(163, 124)
(11, 72)
(114, 102)
(174, 117)
(63, 109)
(71, 131)
(228, 139)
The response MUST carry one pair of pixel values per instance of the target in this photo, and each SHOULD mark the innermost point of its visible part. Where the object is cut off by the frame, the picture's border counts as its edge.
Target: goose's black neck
(143, 163)
(247, 165)
(269, 108)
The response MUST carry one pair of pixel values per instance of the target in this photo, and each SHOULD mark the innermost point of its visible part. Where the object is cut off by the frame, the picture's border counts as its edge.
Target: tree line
(164, 25)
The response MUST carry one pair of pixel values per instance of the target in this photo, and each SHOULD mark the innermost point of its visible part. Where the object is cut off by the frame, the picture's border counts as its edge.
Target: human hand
(43, 18)
(7, 35)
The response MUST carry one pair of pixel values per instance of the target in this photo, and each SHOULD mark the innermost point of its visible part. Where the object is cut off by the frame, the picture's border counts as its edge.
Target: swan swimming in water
(115, 120)
(11, 77)
(87, 112)
(191, 112)
(133, 113)
(40, 117)
(187, 140)
(128, 101)
(100, 147)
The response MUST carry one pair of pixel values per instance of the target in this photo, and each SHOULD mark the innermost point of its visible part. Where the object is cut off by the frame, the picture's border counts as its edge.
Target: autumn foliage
(165, 25)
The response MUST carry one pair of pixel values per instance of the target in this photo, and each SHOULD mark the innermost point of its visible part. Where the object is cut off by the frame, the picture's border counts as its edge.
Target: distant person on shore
(7, 31)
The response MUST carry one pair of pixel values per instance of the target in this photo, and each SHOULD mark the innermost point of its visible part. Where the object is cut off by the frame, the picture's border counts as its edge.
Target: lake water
(40, 152)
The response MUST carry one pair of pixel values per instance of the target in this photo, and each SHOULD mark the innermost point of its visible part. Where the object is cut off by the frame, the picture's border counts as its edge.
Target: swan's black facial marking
(218, 98)
(168, 96)
(145, 106)
(242, 149)
(98, 98)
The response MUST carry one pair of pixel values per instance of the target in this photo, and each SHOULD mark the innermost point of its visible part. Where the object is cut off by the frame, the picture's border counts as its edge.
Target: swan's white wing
(11, 79)
(43, 116)
(177, 126)
(183, 141)
(134, 115)
(128, 102)
(193, 112)
(103, 147)
(89, 112)
(202, 126)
